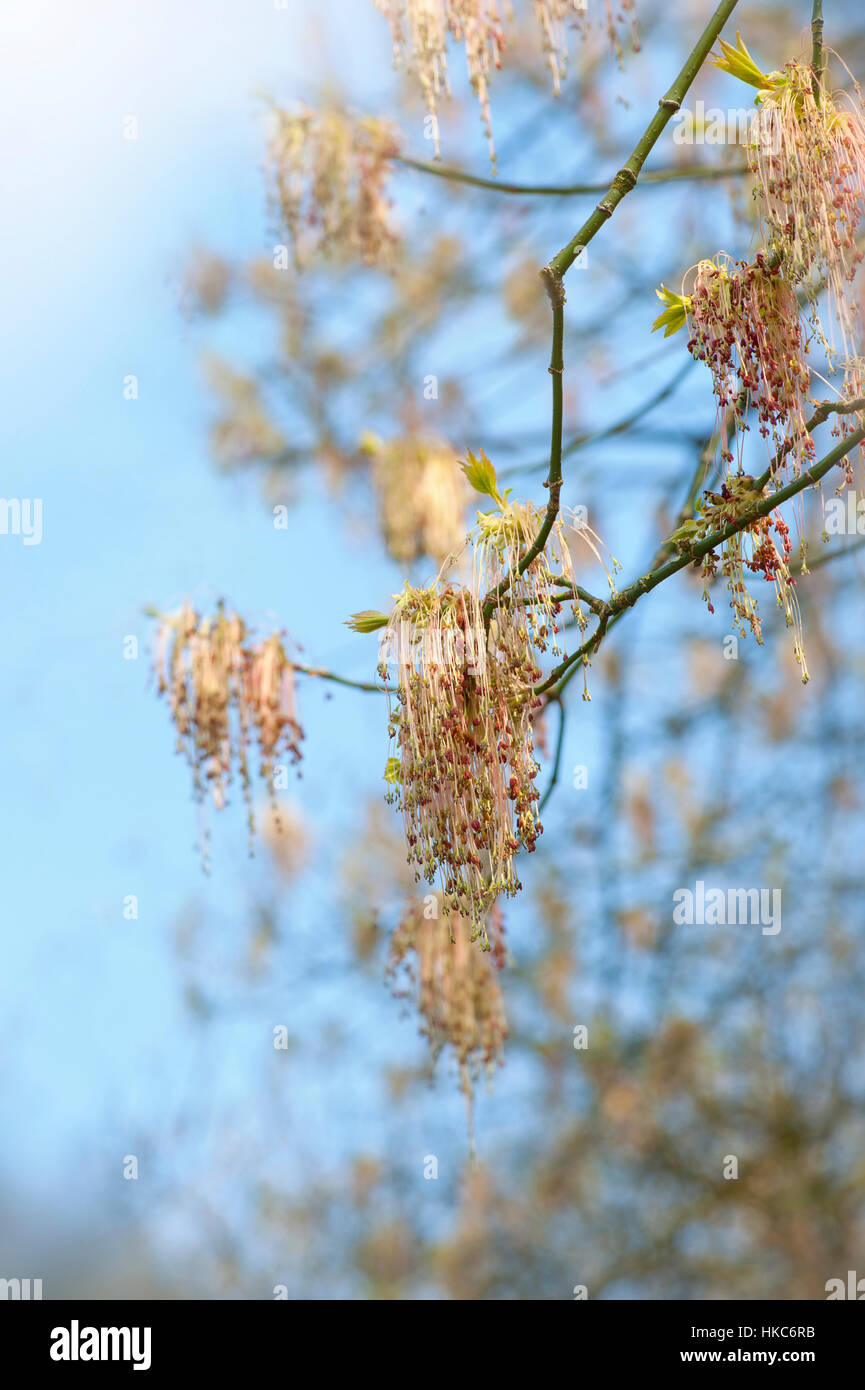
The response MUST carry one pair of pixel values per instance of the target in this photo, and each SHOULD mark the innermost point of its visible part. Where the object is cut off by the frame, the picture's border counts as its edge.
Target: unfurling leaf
(367, 621)
(738, 62)
(684, 533)
(675, 315)
(481, 474)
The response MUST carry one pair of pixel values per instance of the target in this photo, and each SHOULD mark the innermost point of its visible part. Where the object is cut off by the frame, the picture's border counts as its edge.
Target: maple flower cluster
(422, 497)
(806, 150)
(463, 765)
(807, 153)
(809, 165)
(529, 594)
(762, 547)
(455, 987)
(744, 323)
(328, 184)
(463, 769)
(225, 691)
(421, 29)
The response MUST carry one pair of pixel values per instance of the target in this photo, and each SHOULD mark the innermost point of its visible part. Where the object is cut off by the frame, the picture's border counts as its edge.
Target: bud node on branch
(554, 286)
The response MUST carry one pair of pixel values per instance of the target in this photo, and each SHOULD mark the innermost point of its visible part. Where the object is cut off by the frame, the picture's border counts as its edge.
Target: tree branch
(627, 176)
(550, 190)
(817, 49)
(554, 273)
(626, 598)
(339, 680)
(556, 291)
(820, 416)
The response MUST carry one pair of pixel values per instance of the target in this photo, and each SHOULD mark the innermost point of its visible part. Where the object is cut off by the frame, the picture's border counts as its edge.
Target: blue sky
(95, 805)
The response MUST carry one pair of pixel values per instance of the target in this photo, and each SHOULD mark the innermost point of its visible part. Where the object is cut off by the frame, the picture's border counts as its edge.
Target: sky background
(134, 513)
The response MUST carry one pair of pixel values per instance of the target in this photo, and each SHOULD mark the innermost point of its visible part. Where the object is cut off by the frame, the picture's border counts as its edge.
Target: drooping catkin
(454, 986)
(226, 693)
(327, 176)
(463, 767)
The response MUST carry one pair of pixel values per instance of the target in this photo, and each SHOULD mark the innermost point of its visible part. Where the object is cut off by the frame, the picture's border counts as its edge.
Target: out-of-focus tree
(684, 1097)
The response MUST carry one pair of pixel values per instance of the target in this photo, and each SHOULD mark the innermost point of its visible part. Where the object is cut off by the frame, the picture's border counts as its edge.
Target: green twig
(339, 680)
(820, 416)
(556, 291)
(627, 176)
(817, 49)
(554, 273)
(626, 598)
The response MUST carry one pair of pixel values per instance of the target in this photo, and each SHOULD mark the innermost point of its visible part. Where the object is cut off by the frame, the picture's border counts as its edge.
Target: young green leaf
(739, 63)
(481, 474)
(367, 621)
(675, 315)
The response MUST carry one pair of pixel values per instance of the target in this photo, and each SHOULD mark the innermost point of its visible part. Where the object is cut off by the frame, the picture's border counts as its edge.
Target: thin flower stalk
(553, 16)
(420, 30)
(809, 164)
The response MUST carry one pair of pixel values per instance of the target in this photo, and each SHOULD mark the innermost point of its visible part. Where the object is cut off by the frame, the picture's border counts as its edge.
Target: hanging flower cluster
(328, 175)
(463, 769)
(421, 29)
(763, 547)
(807, 153)
(530, 596)
(455, 987)
(463, 766)
(422, 497)
(552, 16)
(744, 323)
(224, 692)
